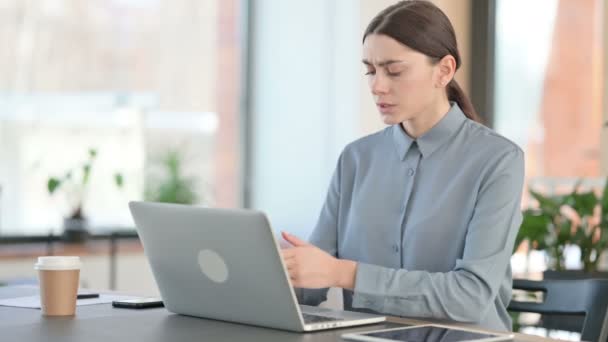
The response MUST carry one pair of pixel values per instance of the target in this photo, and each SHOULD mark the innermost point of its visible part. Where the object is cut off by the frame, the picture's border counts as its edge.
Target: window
(549, 84)
(133, 79)
(548, 95)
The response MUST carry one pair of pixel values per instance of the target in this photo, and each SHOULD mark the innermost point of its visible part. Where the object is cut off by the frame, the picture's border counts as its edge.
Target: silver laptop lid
(217, 263)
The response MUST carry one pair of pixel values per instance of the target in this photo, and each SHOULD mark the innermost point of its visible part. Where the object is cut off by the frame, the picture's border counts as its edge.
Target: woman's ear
(447, 68)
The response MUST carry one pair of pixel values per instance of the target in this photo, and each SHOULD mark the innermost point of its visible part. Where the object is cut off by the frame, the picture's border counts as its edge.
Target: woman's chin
(389, 119)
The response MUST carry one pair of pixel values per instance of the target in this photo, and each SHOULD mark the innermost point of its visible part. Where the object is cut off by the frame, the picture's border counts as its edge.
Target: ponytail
(456, 94)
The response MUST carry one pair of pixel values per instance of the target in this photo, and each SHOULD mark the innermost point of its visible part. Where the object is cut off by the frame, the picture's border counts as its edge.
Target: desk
(102, 323)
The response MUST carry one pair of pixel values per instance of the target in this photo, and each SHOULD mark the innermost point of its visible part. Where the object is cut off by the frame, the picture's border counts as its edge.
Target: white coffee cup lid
(58, 263)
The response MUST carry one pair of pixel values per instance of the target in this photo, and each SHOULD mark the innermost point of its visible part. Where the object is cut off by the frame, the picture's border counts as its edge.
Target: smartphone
(138, 303)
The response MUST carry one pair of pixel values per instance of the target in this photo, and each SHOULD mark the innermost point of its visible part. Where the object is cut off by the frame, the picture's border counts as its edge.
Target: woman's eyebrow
(382, 63)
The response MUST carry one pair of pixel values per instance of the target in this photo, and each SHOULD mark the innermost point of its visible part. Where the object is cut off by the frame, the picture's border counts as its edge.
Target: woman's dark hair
(422, 26)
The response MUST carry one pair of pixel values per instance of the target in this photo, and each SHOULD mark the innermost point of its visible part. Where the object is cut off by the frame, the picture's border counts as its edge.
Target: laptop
(225, 264)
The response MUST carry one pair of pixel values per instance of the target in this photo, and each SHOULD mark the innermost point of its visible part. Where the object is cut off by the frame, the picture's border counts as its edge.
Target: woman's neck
(424, 121)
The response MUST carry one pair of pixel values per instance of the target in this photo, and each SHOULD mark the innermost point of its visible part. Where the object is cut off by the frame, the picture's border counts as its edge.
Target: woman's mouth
(385, 108)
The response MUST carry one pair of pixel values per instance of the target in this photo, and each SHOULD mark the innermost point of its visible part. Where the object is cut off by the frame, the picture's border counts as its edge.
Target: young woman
(420, 218)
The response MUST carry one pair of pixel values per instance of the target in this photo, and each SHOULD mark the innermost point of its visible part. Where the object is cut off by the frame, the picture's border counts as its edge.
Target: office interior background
(233, 103)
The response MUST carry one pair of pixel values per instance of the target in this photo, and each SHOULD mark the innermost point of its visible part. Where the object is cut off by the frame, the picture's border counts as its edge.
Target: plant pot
(75, 229)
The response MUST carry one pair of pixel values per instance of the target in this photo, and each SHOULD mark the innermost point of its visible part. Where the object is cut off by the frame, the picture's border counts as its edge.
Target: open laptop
(225, 264)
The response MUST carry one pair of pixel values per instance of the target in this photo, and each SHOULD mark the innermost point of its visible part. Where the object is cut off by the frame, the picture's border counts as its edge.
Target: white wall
(305, 82)
(604, 141)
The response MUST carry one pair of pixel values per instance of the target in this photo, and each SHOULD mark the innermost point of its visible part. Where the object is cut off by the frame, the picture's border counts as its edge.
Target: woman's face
(404, 82)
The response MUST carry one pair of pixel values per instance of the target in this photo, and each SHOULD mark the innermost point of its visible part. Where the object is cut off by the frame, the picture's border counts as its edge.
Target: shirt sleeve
(325, 234)
(466, 292)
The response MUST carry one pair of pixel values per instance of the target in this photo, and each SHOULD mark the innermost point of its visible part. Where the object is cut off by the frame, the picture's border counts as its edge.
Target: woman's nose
(379, 85)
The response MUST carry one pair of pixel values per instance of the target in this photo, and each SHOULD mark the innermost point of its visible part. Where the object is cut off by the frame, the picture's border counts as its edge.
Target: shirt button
(396, 248)
(410, 171)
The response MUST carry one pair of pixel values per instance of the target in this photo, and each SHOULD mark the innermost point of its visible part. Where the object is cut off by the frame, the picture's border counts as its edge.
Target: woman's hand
(311, 267)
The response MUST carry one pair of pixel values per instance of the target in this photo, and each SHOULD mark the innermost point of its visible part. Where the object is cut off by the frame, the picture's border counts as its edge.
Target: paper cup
(59, 278)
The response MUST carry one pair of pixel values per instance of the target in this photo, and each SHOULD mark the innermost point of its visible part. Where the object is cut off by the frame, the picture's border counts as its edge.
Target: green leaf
(604, 202)
(583, 203)
(52, 184)
(548, 204)
(92, 153)
(564, 229)
(174, 187)
(173, 164)
(579, 237)
(118, 179)
(603, 243)
(86, 173)
(549, 229)
(534, 227)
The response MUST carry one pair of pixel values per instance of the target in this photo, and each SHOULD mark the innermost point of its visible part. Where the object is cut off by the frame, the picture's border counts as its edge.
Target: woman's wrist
(346, 272)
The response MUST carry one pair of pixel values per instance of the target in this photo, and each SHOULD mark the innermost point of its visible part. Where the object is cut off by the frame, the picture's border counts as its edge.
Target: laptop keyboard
(308, 318)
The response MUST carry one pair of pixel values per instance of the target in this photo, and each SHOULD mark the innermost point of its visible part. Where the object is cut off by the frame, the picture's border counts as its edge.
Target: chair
(586, 297)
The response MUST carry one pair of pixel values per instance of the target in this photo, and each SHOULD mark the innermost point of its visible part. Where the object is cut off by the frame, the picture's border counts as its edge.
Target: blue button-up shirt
(431, 222)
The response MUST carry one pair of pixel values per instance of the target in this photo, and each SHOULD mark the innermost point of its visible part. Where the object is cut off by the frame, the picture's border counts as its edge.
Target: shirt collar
(434, 138)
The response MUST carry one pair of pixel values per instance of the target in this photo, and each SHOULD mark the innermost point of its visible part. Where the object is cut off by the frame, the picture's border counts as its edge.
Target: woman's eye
(370, 72)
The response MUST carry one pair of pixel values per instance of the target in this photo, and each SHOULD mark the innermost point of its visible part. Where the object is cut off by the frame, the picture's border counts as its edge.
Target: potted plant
(577, 218)
(172, 186)
(74, 185)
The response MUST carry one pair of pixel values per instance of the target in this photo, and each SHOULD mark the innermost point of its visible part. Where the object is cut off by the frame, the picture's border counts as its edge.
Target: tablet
(427, 333)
